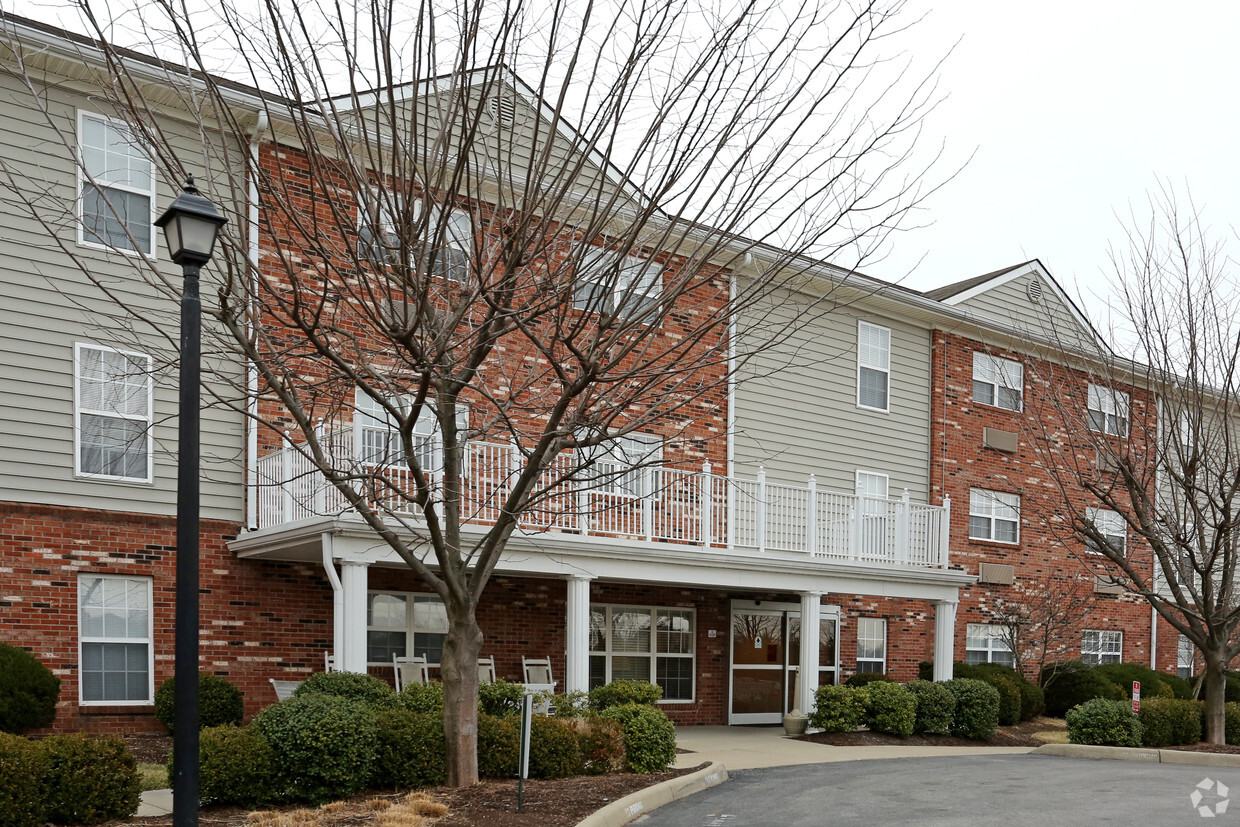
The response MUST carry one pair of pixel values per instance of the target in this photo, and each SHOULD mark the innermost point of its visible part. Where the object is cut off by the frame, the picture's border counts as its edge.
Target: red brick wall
(959, 461)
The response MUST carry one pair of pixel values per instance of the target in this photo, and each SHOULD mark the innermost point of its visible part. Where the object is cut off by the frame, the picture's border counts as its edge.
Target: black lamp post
(190, 226)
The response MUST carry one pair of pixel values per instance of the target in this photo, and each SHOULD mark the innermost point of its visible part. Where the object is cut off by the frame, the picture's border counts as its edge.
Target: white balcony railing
(653, 504)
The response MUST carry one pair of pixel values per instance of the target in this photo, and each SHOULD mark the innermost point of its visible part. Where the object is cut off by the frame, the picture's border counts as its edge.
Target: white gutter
(251, 380)
(329, 566)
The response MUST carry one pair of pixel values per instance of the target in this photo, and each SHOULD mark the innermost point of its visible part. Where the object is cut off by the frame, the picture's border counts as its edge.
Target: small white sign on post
(1136, 697)
(523, 770)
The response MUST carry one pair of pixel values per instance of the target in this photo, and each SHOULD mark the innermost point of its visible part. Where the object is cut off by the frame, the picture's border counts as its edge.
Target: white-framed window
(872, 485)
(987, 643)
(624, 465)
(1108, 410)
(112, 413)
(116, 187)
(1184, 657)
(994, 515)
(871, 644)
(1099, 647)
(608, 284)
(643, 643)
(116, 665)
(873, 366)
(1113, 528)
(378, 438)
(998, 382)
(378, 241)
(403, 624)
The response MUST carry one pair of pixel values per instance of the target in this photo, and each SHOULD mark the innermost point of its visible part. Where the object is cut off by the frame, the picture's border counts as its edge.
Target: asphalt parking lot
(999, 789)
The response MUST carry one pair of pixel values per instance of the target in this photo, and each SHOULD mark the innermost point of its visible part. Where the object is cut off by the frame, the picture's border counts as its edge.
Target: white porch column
(944, 638)
(354, 579)
(811, 603)
(577, 635)
(329, 566)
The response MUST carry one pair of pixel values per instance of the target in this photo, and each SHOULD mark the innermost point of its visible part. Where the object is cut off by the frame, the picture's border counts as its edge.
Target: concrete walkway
(746, 747)
(155, 803)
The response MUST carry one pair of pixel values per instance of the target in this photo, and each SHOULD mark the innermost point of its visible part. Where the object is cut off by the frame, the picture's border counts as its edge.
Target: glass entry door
(765, 650)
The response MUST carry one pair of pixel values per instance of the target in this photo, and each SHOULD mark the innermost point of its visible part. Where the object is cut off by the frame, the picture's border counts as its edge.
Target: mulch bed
(561, 802)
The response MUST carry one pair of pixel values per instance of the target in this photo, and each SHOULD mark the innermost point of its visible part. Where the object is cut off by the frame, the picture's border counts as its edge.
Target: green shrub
(421, 697)
(1180, 688)
(1075, 687)
(1009, 699)
(936, 706)
(353, 686)
(555, 751)
(889, 708)
(1232, 688)
(649, 737)
(500, 698)
(499, 746)
(23, 765)
(625, 692)
(1032, 701)
(89, 780)
(1231, 723)
(1168, 722)
(1052, 672)
(219, 702)
(325, 744)
(28, 691)
(866, 678)
(837, 709)
(1154, 684)
(1027, 703)
(570, 704)
(411, 750)
(977, 708)
(1104, 723)
(236, 765)
(602, 745)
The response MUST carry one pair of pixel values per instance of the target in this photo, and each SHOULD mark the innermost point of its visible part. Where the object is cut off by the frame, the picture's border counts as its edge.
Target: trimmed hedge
(236, 765)
(977, 708)
(837, 709)
(219, 702)
(1075, 687)
(889, 708)
(866, 678)
(555, 751)
(1231, 723)
(89, 780)
(23, 766)
(421, 697)
(499, 746)
(28, 691)
(411, 750)
(1104, 723)
(500, 698)
(649, 736)
(625, 692)
(936, 706)
(325, 745)
(1025, 704)
(1168, 722)
(353, 686)
(1153, 684)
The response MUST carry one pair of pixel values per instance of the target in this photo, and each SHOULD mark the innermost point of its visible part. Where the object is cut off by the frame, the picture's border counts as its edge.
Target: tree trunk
(459, 670)
(1216, 694)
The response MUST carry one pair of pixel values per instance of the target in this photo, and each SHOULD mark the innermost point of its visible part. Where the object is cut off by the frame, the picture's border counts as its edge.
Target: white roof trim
(1035, 269)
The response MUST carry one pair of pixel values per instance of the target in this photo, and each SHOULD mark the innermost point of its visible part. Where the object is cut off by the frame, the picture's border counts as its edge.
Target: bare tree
(1153, 440)
(1042, 620)
(505, 238)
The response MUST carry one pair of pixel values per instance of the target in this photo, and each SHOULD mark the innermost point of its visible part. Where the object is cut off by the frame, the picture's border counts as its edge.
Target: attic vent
(1034, 291)
(503, 110)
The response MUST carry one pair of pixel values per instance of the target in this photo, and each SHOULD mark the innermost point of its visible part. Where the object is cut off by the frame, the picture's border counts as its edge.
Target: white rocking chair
(410, 670)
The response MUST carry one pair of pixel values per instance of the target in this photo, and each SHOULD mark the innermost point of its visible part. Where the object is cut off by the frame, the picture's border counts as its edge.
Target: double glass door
(765, 650)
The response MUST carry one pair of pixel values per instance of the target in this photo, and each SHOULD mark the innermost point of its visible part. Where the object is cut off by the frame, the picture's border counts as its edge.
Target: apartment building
(831, 514)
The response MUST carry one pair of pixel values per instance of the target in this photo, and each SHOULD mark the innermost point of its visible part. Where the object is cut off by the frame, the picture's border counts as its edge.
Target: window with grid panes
(873, 366)
(1108, 410)
(117, 186)
(987, 643)
(114, 633)
(404, 625)
(607, 283)
(113, 413)
(378, 241)
(1113, 529)
(378, 439)
(644, 644)
(871, 644)
(1099, 647)
(1184, 657)
(998, 382)
(994, 515)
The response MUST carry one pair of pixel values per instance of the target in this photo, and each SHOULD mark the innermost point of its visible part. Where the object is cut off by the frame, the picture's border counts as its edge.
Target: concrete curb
(1149, 756)
(624, 810)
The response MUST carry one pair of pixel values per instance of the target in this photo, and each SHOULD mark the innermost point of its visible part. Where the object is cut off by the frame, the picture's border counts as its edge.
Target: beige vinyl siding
(1009, 304)
(47, 305)
(796, 413)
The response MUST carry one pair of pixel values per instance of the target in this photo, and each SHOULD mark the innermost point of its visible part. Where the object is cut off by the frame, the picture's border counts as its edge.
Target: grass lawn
(153, 776)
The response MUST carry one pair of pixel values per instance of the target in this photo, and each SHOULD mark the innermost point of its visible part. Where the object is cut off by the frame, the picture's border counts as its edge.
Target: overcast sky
(1074, 110)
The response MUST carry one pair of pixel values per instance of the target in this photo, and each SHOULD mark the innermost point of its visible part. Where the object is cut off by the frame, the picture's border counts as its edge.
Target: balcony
(650, 505)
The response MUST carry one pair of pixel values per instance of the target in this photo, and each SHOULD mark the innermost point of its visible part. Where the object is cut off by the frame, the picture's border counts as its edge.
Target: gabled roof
(945, 292)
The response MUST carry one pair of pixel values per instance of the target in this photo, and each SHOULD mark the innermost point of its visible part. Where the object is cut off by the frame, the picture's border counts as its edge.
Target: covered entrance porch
(766, 643)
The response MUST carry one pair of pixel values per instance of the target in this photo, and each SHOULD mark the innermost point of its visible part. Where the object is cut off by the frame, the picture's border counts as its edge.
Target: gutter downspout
(329, 566)
(1154, 641)
(251, 379)
(730, 470)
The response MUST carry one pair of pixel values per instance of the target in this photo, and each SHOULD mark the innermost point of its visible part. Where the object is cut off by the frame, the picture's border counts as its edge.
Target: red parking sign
(1136, 697)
